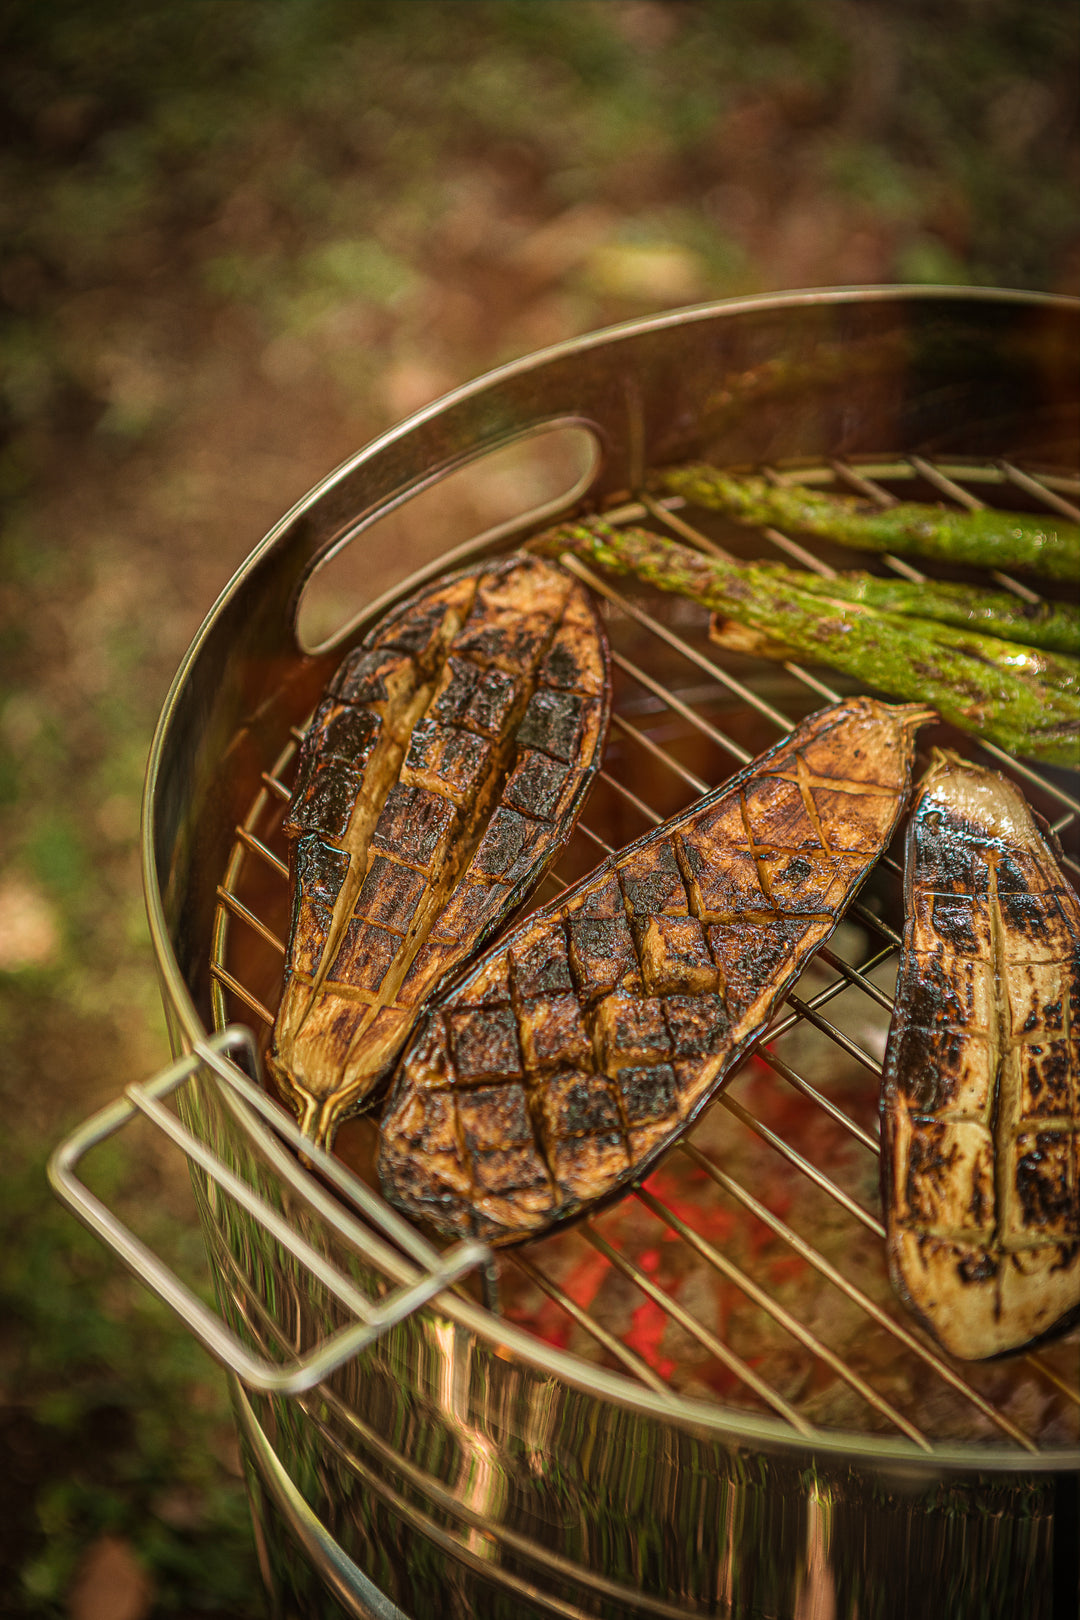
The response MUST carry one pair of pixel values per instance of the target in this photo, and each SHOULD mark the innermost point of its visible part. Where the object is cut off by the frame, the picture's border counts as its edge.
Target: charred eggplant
(980, 1103)
(442, 771)
(552, 1074)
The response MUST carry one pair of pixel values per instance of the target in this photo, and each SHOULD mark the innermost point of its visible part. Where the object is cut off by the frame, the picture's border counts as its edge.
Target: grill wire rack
(703, 1263)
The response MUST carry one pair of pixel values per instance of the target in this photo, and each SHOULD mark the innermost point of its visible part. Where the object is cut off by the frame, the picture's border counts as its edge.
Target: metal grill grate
(714, 1277)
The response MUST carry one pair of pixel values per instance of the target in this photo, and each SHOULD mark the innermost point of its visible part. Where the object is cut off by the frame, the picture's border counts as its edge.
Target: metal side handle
(425, 1274)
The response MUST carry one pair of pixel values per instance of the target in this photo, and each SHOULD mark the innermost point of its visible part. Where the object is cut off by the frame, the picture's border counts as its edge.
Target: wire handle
(418, 1283)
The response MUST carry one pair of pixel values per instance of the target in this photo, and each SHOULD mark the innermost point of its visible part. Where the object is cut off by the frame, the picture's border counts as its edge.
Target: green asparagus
(1024, 700)
(1044, 544)
(1054, 626)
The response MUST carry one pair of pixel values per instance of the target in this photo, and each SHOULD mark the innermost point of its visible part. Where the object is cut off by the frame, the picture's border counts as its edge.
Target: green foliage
(129, 121)
(57, 853)
(126, 1408)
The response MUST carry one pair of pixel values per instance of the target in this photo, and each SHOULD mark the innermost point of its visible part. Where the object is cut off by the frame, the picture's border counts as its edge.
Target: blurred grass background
(239, 239)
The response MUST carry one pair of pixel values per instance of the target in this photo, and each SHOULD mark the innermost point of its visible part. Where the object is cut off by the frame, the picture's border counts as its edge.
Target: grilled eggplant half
(981, 1101)
(556, 1070)
(443, 770)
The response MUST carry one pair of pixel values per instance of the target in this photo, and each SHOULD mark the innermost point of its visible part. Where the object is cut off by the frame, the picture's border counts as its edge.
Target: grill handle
(430, 1273)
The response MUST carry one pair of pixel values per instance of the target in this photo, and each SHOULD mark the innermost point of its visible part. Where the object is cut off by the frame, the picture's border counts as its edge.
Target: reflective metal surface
(463, 1467)
(218, 1059)
(691, 1247)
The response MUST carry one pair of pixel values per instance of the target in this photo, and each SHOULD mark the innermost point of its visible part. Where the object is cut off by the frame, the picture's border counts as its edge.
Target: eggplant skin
(980, 1101)
(550, 1075)
(442, 772)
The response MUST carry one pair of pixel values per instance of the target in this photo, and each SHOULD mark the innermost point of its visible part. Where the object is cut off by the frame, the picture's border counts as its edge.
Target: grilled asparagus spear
(1025, 700)
(1052, 626)
(1045, 545)
(578, 1048)
(442, 771)
(980, 1100)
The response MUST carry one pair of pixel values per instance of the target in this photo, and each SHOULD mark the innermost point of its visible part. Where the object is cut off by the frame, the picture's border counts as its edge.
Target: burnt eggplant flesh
(558, 1068)
(443, 770)
(980, 1102)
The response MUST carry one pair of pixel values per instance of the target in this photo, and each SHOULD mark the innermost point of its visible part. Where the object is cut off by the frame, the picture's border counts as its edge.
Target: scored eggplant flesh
(578, 1048)
(441, 773)
(980, 1100)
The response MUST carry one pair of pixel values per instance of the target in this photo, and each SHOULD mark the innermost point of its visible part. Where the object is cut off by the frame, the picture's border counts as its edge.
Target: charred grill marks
(608, 1019)
(449, 813)
(1002, 1104)
(983, 1061)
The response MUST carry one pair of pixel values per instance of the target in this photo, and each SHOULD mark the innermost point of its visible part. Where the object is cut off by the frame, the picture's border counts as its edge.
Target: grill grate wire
(253, 853)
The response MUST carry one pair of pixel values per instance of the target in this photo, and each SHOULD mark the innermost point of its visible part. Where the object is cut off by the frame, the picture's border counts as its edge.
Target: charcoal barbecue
(706, 1400)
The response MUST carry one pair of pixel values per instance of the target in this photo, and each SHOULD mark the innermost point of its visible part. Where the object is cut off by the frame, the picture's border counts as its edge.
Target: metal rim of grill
(256, 867)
